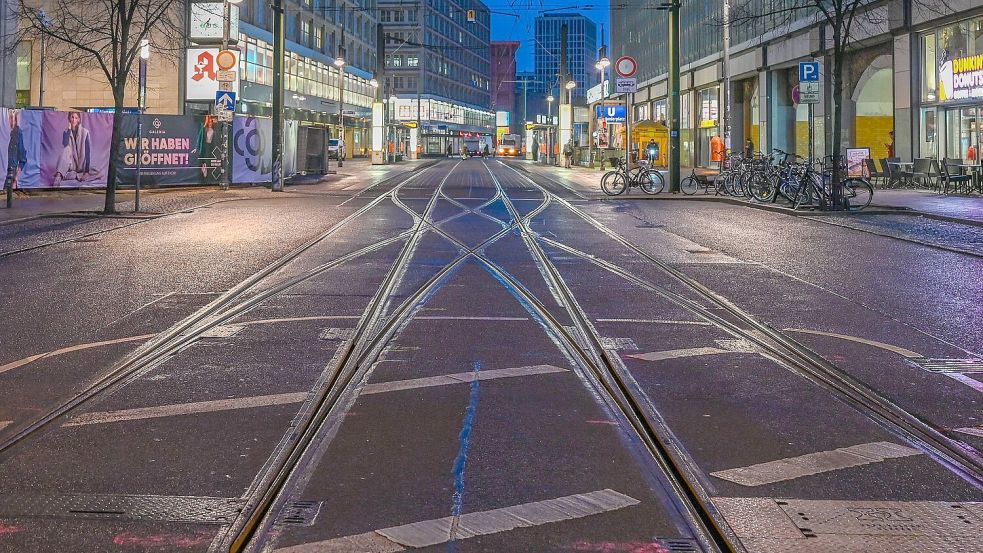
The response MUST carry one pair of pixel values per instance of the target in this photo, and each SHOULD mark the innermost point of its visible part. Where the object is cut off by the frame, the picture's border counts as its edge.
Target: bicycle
(622, 178)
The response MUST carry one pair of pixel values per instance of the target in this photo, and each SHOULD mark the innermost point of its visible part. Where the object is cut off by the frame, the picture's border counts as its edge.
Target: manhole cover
(299, 513)
(337, 333)
(224, 331)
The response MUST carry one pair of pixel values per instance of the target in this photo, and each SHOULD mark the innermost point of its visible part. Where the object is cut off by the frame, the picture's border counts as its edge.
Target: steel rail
(188, 329)
(965, 462)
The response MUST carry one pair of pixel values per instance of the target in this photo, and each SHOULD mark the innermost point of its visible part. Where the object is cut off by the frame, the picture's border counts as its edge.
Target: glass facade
(951, 91)
(581, 50)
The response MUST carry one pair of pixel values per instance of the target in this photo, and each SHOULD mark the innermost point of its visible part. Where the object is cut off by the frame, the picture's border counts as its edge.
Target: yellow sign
(410, 124)
(530, 126)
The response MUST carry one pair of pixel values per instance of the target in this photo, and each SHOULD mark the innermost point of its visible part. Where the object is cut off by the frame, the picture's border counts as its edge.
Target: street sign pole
(674, 115)
(278, 52)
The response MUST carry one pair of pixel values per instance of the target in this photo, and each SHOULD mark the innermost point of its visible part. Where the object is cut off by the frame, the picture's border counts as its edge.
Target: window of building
(412, 61)
(929, 67)
(319, 38)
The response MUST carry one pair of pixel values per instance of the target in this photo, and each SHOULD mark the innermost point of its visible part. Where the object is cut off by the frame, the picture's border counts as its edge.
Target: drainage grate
(624, 344)
(223, 331)
(680, 545)
(337, 333)
(738, 345)
(207, 510)
(885, 518)
(963, 366)
(299, 513)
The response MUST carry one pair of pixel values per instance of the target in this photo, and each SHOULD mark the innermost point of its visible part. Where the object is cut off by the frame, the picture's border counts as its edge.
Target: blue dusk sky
(522, 28)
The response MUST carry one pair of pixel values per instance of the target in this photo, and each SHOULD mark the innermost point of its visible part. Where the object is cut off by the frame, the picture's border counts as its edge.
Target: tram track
(374, 331)
(213, 314)
(957, 456)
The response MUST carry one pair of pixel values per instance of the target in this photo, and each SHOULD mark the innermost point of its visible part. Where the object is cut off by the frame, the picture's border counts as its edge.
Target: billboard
(201, 80)
(177, 149)
(56, 149)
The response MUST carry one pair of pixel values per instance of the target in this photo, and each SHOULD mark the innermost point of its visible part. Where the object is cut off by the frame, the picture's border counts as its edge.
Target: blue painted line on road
(464, 439)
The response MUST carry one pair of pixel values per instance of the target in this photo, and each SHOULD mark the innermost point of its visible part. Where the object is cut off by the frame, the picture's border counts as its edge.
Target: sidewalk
(957, 209)
(35, 203)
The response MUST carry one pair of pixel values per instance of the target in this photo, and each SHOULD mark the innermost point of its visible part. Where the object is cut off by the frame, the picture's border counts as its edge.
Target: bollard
(8, 185)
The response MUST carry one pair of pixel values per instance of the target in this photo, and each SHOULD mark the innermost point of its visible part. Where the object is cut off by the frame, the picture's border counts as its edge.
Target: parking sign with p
(808, 71)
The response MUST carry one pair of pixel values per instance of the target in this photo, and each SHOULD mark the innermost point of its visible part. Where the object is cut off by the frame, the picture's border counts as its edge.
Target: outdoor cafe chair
(952, 175)
(873, 173)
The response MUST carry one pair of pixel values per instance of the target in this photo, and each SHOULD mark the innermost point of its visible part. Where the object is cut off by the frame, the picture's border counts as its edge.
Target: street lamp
(601, 65)
(571, 84)
(549, 130)
(339, 62)
(142, 103)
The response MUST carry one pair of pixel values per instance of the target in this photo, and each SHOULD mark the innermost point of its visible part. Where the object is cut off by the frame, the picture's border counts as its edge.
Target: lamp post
(142, 103)
(549, 129)
(45, 21)
(226, 32)
(566, 120)
(339, 62)
(392, 122)
(601, 65)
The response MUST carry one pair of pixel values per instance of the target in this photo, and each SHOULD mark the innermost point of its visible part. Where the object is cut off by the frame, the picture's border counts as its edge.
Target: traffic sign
(808, 71)
(226, 60)
(624, 86)
(225, 76)
(225, 115)
(809, 92)
(225, 101)
(626, 66)
(226, 86)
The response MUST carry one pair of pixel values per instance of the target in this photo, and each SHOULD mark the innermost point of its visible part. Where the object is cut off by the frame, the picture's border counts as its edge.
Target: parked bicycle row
(780, 177)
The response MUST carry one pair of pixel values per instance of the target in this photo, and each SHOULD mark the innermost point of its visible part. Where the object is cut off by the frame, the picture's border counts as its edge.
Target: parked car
(333, 147)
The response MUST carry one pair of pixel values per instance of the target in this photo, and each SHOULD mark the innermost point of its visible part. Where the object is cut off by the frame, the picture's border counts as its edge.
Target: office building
(581, 51)
(441, 54)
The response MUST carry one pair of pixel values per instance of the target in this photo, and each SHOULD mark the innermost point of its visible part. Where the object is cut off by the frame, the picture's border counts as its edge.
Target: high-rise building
(441, 54)
(581, 50)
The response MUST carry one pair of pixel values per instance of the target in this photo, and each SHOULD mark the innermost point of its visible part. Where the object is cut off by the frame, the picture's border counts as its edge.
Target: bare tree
(843, 24)
(105, 36)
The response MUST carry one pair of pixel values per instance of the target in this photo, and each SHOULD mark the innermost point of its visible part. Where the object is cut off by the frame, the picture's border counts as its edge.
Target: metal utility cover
(208, 510)
(962, 366)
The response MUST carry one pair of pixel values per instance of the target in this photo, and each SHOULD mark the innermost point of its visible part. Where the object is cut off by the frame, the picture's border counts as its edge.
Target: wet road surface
(469, 357)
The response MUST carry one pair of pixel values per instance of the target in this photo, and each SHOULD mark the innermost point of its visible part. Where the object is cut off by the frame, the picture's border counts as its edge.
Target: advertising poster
(20, 139)
(177, 149)
(855, 164)
(252, 146)
(290, 129)
(74, 149)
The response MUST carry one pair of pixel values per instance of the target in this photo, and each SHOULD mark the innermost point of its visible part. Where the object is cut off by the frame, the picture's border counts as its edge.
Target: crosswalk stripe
(677, 353)
(815, 463)
(458, 378)
(438, 531)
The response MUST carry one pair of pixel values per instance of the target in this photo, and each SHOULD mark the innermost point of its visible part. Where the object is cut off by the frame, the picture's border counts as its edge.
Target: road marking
(296, 319)
(21, 362)
(677, 353)
(967, 380)
(453, 318)
(458, 378)
(974, 430)
(889, 347)
(815, 463)
(435, 532)
(186, 408)
(654, 321)
(5, 424)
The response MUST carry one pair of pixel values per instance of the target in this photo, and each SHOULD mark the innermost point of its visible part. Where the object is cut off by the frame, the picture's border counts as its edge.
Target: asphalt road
(472, 356)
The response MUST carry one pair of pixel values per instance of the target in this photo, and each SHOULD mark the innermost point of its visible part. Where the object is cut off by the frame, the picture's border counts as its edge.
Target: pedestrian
(748, 148)
(464, 151)
(568, 154)
(485, 154)
(890, 146)
(450, 149)
(652, 152)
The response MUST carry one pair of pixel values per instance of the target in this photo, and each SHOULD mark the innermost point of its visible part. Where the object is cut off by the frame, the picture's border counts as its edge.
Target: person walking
(568, 154)
(450, 149)
(464, 151)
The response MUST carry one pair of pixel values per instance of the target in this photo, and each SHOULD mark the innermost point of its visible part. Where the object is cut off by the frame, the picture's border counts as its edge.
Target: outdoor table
(974, 169)
(901, 165)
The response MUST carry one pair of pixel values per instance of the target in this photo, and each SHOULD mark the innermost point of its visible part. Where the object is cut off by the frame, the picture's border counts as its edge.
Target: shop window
(24, 74)
(930, 66)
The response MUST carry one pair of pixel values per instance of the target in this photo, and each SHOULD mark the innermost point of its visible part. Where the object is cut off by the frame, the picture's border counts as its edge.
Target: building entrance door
(963, 133)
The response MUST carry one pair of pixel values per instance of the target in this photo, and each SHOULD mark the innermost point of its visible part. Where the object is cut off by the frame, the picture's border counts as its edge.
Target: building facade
(911, 71)
(314, 31)
(581, 51)
(438, 66)
(503, 76)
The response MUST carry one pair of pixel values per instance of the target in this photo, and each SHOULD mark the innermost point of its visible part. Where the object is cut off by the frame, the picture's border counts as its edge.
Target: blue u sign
(808, 71)
(613, 114)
